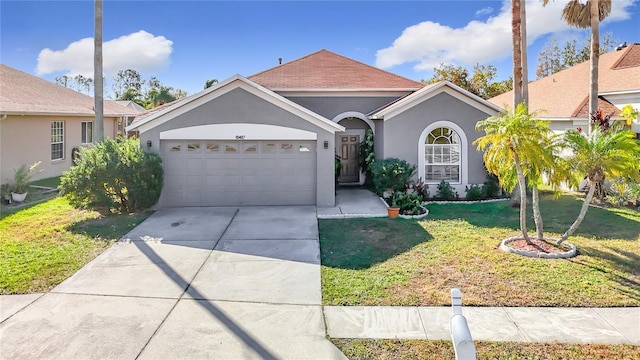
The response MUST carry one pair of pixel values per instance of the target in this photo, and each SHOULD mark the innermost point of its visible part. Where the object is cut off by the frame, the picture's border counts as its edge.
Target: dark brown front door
(349, 169)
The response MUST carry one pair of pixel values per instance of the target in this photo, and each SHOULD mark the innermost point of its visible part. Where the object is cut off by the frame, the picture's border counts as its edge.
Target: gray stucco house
(270, 138)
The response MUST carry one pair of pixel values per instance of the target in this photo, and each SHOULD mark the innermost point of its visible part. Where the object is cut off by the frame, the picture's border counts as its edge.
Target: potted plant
(393, 203)
(6, 193)
(21, 180)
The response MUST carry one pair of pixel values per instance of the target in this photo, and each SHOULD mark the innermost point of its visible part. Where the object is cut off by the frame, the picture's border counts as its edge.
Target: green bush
(445, 191)
(491, 187)
(391, 174)
(409, 204)
(114, 176)
(474, 192)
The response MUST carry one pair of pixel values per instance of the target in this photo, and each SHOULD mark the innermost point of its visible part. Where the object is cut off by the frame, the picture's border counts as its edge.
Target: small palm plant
(22, 177)
(516, 146)
(600, 154)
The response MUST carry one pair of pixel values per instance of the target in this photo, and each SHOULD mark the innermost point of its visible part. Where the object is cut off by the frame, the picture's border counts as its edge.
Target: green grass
(35, 196)
(407, 262)
(361, 349)
(43, 244)
(51, 182)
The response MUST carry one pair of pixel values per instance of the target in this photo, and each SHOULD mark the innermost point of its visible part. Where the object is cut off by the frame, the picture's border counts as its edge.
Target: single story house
(271, 138)
(42, 121)
(563, 98)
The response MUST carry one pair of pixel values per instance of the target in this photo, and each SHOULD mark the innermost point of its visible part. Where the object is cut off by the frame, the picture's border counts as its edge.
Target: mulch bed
(538, 246)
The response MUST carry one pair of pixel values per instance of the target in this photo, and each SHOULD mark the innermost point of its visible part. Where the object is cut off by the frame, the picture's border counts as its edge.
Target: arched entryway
(347, 145)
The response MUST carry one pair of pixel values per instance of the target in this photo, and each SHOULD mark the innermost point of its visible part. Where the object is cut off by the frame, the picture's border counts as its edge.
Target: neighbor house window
(442, 151)
(57, 140)
(87, 132)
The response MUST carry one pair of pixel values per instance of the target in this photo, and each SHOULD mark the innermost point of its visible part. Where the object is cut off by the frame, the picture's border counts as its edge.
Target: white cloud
(484, 11)
(141, 51)
(429, 44)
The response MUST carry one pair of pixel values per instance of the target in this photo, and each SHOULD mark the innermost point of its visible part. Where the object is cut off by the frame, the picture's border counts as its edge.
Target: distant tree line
(481, 82)
(553, 58)
(129, 85)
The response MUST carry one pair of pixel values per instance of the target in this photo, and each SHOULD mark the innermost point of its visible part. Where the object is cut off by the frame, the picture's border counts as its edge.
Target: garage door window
(303, 148)
(175, 148)
(268, 148)
(250, 148)
(213, 147)
(193, 147)
(231, 148)
(286, 148)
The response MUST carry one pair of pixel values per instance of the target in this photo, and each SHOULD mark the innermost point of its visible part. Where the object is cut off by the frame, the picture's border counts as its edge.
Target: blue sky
(184, 43)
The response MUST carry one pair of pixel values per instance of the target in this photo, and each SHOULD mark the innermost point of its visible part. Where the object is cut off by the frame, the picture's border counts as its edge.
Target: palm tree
(515, 140)
(98, 83)
(209, 83)
(588, 15)
(614, 152)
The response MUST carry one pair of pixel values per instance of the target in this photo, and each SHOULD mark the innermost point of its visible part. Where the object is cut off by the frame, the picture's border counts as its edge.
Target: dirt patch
(538, 246)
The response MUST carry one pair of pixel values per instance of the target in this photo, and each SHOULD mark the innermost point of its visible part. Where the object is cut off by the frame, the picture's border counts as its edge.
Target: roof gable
(430, 91)
(21, 93)
(325, 70)
(561, 95)
(168, 112)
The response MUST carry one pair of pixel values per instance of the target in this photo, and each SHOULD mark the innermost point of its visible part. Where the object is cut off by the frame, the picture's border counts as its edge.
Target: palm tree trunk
(98, 81)
(537, 217)
(583, 213)
(523, 52)
(523, 200)
(594, 17)
(517, 52)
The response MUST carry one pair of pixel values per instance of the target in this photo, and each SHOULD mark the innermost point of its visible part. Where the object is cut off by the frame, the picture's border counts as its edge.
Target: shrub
(22, 177)
(366, 156)
(114, 176)
(409, 204)
(391, 174)
(422, 190)
(491, 187)
(620, 192)
(474, 192)
(445, 191)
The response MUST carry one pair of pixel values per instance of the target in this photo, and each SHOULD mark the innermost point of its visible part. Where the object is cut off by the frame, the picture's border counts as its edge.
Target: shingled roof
(325, 70)
(565, 93)
(21, 93)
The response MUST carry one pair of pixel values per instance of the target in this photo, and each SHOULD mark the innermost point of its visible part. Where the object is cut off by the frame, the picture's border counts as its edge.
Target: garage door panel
(228, 173)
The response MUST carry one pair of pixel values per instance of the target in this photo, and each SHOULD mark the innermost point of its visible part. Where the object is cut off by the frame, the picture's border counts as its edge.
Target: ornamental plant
(391, 175)
(114, 176)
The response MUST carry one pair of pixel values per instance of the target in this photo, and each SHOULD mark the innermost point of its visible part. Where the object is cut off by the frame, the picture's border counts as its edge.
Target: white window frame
(57, 138)
(83, 132)
(463, 173)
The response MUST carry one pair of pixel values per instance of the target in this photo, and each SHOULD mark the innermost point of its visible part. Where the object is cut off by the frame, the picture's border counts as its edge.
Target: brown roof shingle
(327, 70)
(562, 94)
(21, 93)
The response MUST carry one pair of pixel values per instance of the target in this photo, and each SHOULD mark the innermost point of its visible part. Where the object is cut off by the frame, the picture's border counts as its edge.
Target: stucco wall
(330, 107)
(239, 106)
(27, 139)
(402, 132)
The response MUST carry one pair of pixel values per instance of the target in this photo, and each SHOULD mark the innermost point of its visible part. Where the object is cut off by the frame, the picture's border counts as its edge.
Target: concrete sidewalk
(564, 325)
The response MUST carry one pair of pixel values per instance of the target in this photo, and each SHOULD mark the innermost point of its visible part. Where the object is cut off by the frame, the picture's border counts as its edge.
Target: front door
(349, 168)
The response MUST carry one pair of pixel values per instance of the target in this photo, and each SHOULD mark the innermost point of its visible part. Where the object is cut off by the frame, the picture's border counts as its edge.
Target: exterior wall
(239, 106)
(27, 139)
(332, 106)
(378, 139)
(402, 133)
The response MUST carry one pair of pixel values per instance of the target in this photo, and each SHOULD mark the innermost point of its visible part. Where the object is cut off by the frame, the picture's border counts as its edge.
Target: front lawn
(407, 262)
(361, 349)
(43, 244)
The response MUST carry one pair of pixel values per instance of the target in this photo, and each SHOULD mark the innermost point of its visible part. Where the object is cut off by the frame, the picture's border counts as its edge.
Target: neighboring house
(42, 121)
(270, 139)
(563, 97)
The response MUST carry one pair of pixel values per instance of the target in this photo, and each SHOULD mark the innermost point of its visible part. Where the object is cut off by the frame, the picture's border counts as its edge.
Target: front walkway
(354, 202)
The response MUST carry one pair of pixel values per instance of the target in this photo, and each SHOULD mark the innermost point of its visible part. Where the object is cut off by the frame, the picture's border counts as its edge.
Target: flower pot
(393, 212)
(18, 197)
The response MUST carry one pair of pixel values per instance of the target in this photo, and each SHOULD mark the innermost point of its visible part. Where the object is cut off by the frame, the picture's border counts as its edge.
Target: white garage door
(222, 173)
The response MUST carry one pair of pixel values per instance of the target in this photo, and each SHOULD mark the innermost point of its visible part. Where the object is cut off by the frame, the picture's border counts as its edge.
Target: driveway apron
(226, 283)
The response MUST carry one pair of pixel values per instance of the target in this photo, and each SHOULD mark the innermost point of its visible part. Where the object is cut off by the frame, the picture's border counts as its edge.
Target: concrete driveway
(188, 283)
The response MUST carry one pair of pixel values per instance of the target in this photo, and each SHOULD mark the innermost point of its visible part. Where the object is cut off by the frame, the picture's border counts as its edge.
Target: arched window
(442, 156)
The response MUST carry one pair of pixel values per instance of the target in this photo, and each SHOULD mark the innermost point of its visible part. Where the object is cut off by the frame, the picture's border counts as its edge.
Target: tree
(515, 147)
(98, 91)
(209, 83)
(125, 80)
(588, 15)
(481, 83)
(63, 80)
(83, 84)
(614, 152)
(552, 58)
